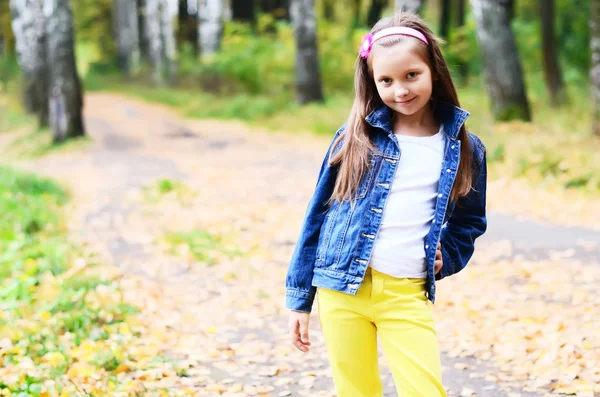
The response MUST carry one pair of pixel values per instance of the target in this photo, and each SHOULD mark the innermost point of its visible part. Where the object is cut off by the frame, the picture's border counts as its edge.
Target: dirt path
(251, 188)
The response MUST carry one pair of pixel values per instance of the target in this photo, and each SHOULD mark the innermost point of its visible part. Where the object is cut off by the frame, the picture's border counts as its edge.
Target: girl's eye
(411, 75)
(386, 80)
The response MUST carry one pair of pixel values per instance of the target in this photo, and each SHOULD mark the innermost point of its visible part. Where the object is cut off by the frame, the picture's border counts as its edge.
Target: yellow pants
(397, 310)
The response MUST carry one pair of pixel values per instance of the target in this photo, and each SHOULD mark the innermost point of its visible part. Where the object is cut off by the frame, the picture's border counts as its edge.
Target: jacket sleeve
(300, 293)
(467, 222)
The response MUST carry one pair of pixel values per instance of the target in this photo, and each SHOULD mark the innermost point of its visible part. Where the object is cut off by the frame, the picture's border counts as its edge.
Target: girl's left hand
(438, 259)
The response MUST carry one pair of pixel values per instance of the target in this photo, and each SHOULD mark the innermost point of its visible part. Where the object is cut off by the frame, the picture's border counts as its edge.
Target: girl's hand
(438, 259)
(298, 330)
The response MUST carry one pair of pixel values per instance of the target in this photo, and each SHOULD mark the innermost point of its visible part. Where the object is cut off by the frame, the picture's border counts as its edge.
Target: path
(251, 187)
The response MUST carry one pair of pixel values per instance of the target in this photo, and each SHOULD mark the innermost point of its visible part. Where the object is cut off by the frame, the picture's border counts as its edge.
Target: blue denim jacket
(335, 243)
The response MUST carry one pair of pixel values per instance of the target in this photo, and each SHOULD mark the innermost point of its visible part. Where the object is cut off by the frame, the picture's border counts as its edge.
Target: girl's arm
(468, 221)
(299, 290)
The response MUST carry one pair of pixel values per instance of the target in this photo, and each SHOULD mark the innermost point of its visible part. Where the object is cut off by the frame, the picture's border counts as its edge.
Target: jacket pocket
(367, 179)
(325, 234)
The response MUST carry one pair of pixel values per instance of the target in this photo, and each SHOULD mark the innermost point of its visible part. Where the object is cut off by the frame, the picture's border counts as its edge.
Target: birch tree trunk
(308, 77)
(125, 25)
(30, 44)
(210, 26)
(409, 5)
(503, 71)
(551, 66)
(169, 44)
(154, 38)
(595, 66)
(66, 102)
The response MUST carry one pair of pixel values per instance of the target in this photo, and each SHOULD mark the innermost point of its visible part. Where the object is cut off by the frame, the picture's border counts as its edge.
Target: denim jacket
(335, 242)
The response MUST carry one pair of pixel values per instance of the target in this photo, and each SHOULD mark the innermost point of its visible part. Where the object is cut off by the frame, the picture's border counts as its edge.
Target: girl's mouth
(406, 102)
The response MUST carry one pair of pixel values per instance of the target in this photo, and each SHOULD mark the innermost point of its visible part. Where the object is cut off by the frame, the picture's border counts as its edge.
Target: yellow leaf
(45, 316)
(124, 329)
(55, 359)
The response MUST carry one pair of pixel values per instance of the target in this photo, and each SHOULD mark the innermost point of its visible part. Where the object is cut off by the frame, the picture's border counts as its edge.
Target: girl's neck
(421, 123)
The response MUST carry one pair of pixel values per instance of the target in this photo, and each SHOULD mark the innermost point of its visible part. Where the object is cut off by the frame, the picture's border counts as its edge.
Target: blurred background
(526, 61)
(157, 156)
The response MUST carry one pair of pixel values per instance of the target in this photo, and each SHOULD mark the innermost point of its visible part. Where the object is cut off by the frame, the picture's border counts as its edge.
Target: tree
(595, 67)
(210, 26)
(463, 65)
(308, 78)
(503, 71)
(375, 11)
(125, 27)
(409, 5)
(161, 39)
(328, 9)
(188, 24)
(243, 11)
(445, 18)
(29, 29)
(66, 102)
(551, 67)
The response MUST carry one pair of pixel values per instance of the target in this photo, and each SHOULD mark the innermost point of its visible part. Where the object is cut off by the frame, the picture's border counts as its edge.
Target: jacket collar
(451, 116)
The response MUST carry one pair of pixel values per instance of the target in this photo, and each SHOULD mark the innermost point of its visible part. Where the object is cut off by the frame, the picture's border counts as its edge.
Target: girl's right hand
(298, 330)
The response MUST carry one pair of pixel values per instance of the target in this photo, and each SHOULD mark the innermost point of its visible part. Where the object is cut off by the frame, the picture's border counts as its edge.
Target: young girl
(399, 202)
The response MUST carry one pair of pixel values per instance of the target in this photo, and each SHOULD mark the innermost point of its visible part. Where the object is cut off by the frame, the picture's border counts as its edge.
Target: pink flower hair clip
(369, 39)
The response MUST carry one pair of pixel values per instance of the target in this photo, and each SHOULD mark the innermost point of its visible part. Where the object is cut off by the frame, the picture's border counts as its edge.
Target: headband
(369, 39)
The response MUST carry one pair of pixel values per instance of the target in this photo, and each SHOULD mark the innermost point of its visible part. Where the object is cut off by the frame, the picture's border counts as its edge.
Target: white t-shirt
(410, 207)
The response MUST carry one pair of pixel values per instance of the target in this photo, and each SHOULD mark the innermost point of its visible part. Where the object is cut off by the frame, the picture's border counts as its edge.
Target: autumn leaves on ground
(153, 263)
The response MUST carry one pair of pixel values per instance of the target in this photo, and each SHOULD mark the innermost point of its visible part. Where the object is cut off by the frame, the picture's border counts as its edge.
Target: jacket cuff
(298, 300)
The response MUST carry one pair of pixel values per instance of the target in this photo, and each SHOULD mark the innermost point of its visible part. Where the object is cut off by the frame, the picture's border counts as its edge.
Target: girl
(399, 202)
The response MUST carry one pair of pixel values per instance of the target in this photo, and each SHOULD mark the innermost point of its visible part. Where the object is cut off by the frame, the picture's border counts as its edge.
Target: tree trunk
(375, 11)
(409, 5)
(463, 65)
(595, 66)
(66, 101)
(154, 37)
(142, 31)
(328, 9)
(169, 44)
(125, 26)
(551, 66)
(210, 26)
(308, 77)
(243, 11)
(445, 19)
(161, 39)
(30, 43)
(503, 71)
(187, 26)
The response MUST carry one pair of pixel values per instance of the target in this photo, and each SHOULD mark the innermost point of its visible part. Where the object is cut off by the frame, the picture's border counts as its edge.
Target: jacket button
(427, 246)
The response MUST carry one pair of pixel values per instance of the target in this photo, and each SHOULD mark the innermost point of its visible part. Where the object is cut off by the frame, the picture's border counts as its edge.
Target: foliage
(59, 321)
(201, 245)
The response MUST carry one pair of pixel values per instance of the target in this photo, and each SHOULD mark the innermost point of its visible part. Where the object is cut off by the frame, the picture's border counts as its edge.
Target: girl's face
(402, 77)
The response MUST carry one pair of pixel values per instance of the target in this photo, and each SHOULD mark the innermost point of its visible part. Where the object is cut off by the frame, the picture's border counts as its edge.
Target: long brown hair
(354, 154)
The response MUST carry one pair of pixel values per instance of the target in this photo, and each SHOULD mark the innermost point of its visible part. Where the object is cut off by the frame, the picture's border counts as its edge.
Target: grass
(59, 319)
(201, 246)
(164, 188)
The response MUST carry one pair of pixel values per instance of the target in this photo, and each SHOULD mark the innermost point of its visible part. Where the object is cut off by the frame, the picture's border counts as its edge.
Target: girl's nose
(401, 92)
